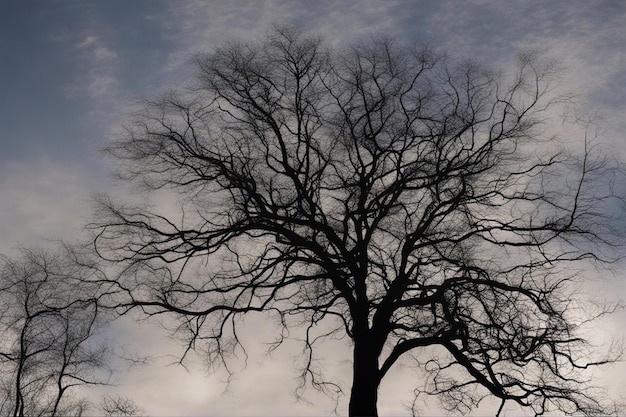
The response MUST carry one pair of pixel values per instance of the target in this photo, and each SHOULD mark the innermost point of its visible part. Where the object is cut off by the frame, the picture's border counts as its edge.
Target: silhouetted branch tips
(384, 193)
(118, 406)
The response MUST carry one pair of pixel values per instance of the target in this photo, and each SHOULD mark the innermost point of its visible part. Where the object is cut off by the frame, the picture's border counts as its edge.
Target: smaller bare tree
(48, 324)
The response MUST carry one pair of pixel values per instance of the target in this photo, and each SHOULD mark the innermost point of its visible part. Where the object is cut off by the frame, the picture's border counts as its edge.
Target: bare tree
(47, 329)
(382, 192)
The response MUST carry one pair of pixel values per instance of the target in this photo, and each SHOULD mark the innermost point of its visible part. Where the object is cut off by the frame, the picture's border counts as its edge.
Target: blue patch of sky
(41, 66)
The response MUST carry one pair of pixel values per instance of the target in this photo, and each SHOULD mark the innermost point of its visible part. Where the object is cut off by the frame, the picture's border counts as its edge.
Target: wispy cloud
(199, 26)
(98, 69)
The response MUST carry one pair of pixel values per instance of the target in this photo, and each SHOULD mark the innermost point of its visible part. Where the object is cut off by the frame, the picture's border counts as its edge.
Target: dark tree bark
(381, 192)
(365, 380)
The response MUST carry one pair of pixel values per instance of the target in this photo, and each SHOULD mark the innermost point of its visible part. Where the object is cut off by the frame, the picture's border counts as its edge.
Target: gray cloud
(73, 66)
(41, 200)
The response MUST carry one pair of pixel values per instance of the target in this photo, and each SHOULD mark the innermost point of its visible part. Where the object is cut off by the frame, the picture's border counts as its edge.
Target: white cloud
(89, 40)
(102, 54)
(98, 67)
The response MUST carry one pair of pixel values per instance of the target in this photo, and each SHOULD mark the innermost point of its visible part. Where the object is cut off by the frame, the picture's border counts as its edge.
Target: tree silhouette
(380, 192)
(48, 347)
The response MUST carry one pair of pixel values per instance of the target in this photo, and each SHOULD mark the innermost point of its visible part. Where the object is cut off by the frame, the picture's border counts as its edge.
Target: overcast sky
(69, 69)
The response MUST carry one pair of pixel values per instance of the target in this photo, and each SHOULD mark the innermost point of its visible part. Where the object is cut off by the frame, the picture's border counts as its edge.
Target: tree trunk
(364, 393)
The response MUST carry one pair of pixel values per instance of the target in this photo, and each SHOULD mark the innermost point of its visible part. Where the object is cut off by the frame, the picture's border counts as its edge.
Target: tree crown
(400, 198)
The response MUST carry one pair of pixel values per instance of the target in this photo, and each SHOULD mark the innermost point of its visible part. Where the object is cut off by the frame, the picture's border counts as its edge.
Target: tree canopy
(387, 193)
